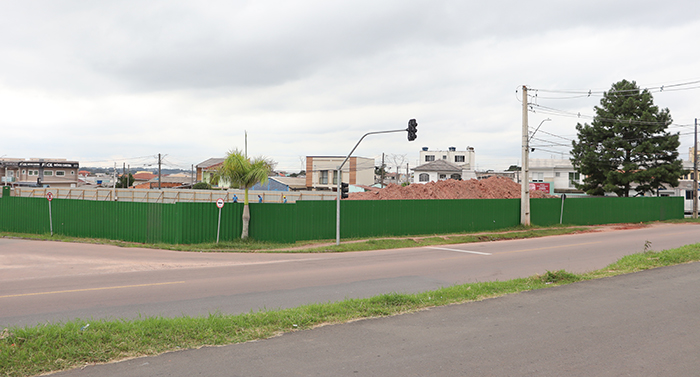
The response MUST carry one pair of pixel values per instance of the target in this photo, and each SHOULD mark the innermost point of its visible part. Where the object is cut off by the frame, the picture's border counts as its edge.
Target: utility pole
(382, 170)
(525, 180)
(159, 175)
(695, 172)
(114, 182)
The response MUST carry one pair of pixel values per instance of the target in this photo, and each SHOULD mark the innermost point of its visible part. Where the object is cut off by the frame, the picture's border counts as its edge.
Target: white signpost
(49, 197)
(220, 204)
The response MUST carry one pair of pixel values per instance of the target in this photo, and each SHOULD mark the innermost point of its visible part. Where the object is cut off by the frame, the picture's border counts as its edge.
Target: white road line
(461, 251)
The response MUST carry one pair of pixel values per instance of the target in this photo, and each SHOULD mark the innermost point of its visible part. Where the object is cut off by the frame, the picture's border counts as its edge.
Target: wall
(188, 223)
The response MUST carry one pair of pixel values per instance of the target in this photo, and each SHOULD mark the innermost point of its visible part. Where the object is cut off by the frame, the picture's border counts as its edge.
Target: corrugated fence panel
(545, 212)
(413, 217)
(307, 220)
(315, 220)
(275, 222)
(199, 222)
(620, 210)
(24, 215)
(606, 210)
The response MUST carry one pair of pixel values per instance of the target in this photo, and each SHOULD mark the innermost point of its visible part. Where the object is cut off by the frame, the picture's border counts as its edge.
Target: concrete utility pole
(114, 182)
(159, 175)
(382, 171)
(525, 180)
(695, 172)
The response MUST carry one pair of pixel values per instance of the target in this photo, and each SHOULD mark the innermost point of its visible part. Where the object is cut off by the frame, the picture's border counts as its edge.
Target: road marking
(461, 251)
(91, 289)
(551, 247)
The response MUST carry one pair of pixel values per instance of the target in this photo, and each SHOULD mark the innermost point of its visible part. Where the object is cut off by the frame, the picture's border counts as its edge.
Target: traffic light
(344, 190)
(412, 129)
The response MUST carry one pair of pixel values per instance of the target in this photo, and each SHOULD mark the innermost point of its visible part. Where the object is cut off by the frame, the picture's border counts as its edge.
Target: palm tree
(244, 173)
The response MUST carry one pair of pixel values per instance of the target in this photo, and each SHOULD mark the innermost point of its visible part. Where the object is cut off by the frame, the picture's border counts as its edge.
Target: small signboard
(539, 186)
(220, 203)
(49, 196)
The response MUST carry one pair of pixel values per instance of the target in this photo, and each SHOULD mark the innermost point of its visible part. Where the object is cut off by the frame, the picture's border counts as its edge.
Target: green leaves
(626, 145)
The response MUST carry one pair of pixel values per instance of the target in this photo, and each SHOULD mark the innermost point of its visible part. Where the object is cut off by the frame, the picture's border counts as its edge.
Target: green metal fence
(190, 223)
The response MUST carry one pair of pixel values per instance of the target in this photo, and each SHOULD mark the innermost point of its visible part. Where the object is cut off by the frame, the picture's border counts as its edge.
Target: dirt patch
(490, 188)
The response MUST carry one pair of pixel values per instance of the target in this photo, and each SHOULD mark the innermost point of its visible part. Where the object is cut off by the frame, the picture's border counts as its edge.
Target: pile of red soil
(490, 188)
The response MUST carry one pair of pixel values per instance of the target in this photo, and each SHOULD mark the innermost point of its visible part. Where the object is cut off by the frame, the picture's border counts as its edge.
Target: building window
(323, 179)
(423, 177)
(48, 173)
(335, 177)
(537, 177)
(443, 176)
(11, 173)
(24, 172)
(688, 194)
(72, 172)
(60, 173)
(444, 157)
(574, 177)
(429, 157)
(456, 177)
(33, 172)
(557, 174)
(459, 158)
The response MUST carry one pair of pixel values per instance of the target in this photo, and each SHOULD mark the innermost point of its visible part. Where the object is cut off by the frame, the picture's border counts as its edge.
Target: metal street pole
(340, 169)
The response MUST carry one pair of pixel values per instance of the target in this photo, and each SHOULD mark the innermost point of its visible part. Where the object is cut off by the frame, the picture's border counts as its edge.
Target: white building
(464, 159)
(558, 174)
(322, 171)
(441, 170)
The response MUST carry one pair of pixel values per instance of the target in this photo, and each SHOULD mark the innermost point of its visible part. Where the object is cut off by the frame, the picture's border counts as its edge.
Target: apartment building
(39, 172)
(321, 171)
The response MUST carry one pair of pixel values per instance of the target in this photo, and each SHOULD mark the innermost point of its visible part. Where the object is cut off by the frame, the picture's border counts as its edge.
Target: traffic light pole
(339, 179)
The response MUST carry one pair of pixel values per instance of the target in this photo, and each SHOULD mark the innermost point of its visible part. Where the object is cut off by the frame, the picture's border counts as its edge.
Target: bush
(202, 186)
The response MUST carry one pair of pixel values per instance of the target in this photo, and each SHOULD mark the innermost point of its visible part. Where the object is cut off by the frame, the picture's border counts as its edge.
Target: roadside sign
(49, 197)
(220, 203)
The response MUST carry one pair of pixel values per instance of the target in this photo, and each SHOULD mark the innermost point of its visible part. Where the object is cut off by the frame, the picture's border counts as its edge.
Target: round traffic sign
(49, 196)
(220, 203)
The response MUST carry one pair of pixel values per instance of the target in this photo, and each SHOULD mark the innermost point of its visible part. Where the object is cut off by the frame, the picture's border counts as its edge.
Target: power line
(582, 93)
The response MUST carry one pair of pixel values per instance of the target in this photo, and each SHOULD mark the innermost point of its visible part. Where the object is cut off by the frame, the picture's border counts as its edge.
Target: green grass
(39, 349)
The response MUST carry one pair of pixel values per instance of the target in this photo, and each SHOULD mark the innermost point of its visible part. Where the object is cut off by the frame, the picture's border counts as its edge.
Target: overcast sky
(121, 81)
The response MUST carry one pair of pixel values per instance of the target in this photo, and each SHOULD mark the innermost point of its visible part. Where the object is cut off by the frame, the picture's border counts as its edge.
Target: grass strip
(34, 350)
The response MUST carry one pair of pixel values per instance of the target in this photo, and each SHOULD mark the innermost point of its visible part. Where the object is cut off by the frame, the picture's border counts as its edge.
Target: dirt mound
(490, 188)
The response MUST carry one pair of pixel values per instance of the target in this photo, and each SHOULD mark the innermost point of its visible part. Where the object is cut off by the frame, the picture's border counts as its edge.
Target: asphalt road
(48, 281)
(642, 324)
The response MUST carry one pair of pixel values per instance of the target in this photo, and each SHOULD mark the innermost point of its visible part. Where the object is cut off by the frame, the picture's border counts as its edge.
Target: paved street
(642, 324)
(53, 281)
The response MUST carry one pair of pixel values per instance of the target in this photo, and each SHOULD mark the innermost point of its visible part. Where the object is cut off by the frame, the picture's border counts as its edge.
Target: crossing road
(50, 281)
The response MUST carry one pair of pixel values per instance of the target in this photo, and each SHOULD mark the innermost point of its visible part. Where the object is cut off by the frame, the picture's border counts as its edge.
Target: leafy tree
(243, 173)
(125, 181)
(202, 186)
(513, 168)
(626, 143)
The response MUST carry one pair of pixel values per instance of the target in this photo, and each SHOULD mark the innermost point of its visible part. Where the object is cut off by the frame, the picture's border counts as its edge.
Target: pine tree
(627, 145)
